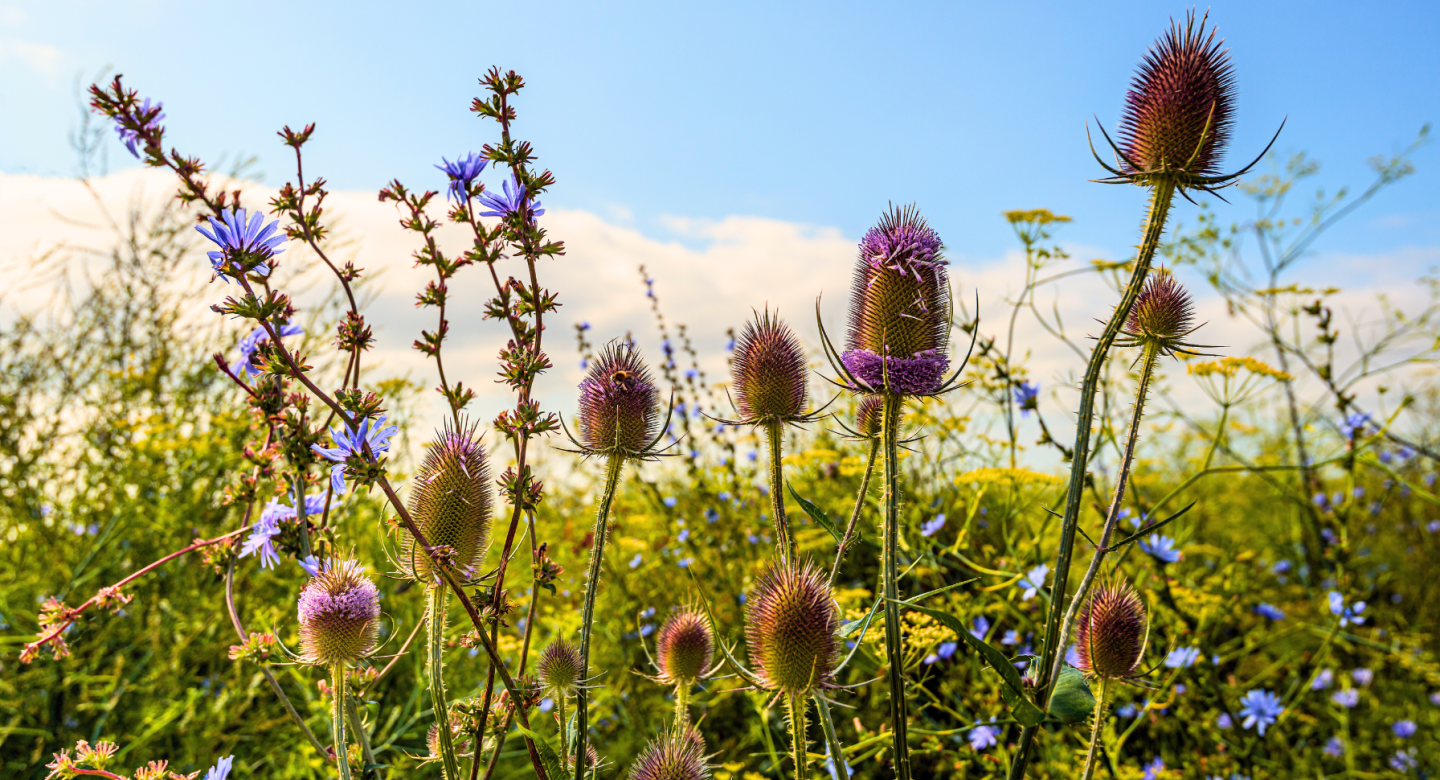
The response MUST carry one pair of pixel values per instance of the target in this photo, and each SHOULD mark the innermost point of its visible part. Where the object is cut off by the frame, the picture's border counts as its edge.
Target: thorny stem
(358, 726)
(796, 704)
(337, 718)
(682, 704)
(832, 741)
(1112, 516)
(613, 468)
(784, 537)
(1160, 197)
(435, 672)
(1099, 722)
(849, 535)
(894, 651)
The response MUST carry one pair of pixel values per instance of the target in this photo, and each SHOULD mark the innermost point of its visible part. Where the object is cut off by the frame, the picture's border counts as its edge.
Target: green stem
(1112, 516)
(613, 468)
(784, 537)
(435, 668)
(894, 651)
(358, 726)
(1160, 197)
(796, 703)
(1093, 753)
(337, 718)
(682, 704)
(560, 698)
(837, 752)
(855, 513)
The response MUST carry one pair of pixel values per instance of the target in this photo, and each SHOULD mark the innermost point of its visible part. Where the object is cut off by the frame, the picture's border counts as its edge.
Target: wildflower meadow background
(311, 468)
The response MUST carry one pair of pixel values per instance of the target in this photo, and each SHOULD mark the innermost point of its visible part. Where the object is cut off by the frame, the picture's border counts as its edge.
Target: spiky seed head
(678, 754)
(1163, 312)
(1112, 631)
(899, 329)
(432, 739)
(559, 668)
(769, 371)
(451, 502)
(685, 645)
(619, 403)
(1181, 104)
(869, 416)
(592, 757)
(339, 615)
(790, 624)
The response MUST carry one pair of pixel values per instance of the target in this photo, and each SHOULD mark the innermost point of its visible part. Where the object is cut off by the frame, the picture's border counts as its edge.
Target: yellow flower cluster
(923, 632)
(1006, 477)
(1228, 367)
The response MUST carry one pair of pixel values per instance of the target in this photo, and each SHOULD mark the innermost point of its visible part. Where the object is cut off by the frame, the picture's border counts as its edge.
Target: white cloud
(710, 282)
(44, 59)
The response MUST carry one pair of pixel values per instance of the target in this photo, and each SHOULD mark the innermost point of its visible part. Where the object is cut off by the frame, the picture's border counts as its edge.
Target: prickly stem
(613, 467)
(894, 652)
(784, 537)
(337, 718)
(435, 668)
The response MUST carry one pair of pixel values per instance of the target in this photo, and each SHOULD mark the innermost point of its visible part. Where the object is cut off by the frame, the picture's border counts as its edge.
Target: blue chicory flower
(221, 770)
(1347, 698)
(1362, 677)
(1182, 658)
(463, 173)
(510, 202)
(1223, 722)
(1034, 581)
(635, 562)
(982, 737)
(1348, 613)
(352, 442)
(930, 527)
(238, 238)
(1354, 425)
(1404, 729)
(1269, 611)
(1026, 397)
(1260, 708)
(980, 627)
(131, 138)
(245, 365)
(1154, 768)
(1323, 680)
(1162, 548)
(1335, 747)
(1404, 761)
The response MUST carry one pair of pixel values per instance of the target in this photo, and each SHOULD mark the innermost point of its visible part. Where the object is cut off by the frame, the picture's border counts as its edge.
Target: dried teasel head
(339, 615)
(1181, 105)
(1112, 632)
(684, 647)
(790, 624)
(619, 405)
(769, 372)
(899, 325)
(451, 502)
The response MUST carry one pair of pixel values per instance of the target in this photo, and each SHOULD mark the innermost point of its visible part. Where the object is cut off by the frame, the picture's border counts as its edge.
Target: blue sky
(817, 113)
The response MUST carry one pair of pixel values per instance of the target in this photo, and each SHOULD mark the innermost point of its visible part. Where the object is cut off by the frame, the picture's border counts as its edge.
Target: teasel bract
(790, 624)
(1111, 637)
(619, 419)
(451, 500)
(1174, 129)
(679, 754)
(897, 347)
(339, 624)
(684, 648)
(769, 378)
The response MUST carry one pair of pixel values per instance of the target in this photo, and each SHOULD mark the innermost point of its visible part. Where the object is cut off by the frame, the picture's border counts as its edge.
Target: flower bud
(790, 624)
(1112, 632)
(676, 755)
(450, 502)
(559, 668)
(869, 416)
(769, 371)
(1163, 313)
(432, 738)
(899, 329)
(339, 615)
(1180, 107)
(684, 646)
(619, 404)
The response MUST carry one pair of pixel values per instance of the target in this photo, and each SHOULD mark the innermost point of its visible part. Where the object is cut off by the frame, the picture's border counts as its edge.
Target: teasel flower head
(679, 754)
(558, 669)
(339, 615)
(684, 647)
(790, 624)
(1162, 318)
(769, 373)
(450, 502)
(1179, 112)
(1112, 632)
(899, 324)
(619, 406)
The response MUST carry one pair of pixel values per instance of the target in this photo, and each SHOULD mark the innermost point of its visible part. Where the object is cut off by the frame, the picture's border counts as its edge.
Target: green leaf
(1012, 688)
(554, 766)
(816, 513)
(1072, 701)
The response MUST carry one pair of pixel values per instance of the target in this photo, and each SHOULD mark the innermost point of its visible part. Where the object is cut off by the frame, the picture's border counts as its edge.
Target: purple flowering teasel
(245, 242)
(619, 411)
(351, 443)
(339, 615)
